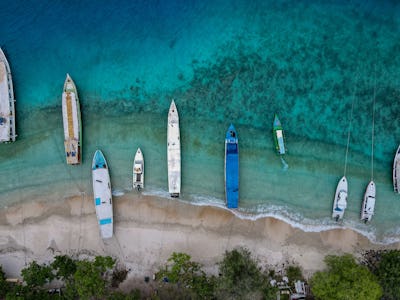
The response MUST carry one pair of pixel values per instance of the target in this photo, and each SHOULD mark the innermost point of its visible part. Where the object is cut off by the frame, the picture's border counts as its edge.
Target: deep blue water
(222, 62)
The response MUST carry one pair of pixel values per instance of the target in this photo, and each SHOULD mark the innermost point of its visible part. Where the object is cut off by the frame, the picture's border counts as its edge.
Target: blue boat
(231, 168)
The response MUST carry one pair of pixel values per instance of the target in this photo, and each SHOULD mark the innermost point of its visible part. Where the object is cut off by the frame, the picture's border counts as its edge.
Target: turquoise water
(222, 62)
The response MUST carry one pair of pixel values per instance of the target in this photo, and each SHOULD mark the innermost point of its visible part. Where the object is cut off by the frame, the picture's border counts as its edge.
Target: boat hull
(278, 136)
(231, 169)
(368, 206)
(138, 170)
(102, 194)
(396, 171)
(173, 152)
(7, 102)
(72, 123)
(340, 200)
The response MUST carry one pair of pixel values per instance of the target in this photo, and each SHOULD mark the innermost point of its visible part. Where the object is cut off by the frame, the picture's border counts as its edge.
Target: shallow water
(222, 62)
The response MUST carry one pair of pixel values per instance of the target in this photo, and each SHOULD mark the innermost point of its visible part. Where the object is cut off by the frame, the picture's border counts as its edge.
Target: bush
(345, 279)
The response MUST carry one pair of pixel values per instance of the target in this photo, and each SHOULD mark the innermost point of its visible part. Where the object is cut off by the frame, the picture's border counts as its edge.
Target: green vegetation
(386, 266)
(345, 279)
(240, 277)
(187, 276)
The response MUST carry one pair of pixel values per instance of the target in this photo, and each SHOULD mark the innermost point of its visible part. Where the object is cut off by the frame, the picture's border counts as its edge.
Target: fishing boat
(7, 102)
(368, 205)
(340, 200)
(396, 171)
(278, 136)
(72, 122)
(102, 194)
(138, 170)
(173, 151)
(231, 169)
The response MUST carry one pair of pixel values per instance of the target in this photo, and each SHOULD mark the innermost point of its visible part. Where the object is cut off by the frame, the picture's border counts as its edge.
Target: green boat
(278, 136)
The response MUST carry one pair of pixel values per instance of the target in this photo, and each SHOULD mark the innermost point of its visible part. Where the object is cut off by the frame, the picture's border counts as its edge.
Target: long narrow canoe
(72, 122)
(231, 168)
(278, 136)
(340, 201)
(138, 170)
(396, 171)
(7, 102)
(368, 205)
(173, 152)
(102, 194)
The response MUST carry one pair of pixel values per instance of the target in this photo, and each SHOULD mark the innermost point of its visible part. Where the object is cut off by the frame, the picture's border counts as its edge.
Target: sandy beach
(148, 229)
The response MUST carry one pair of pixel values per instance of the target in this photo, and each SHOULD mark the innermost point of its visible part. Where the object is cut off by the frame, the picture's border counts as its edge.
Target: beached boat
(278, 136)
(138, 170)
(396, 171)
(7, 102)
(174, 152)
(231, 169)
(72, 122)
(340, 201)
(368, 206)
(102, 194)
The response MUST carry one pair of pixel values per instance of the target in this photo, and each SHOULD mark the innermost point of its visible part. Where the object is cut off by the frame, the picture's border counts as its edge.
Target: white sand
(147, 230)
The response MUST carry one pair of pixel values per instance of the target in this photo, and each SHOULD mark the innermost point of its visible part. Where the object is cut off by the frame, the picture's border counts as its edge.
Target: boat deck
(7, 118)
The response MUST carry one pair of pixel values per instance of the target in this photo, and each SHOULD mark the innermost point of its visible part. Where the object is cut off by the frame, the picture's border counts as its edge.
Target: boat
(138, 170)
(7, 102)
(368, 205)
(396, 171)
(173, 151)
(340, 200)
(102, 194)
(231, 169)
(72, 122)
(278, 136)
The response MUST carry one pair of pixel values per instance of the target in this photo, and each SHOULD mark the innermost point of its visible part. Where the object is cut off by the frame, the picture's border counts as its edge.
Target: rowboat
(231, 169)
(138, 170)
(102, 194)
(278, 136)
(7, 102)
(368, 206)
(72, 122)
(340, 200)
(173, 151)
(396, 171)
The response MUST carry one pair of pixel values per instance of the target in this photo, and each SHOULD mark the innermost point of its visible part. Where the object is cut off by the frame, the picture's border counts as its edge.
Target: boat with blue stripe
(231, 168)
(278, 136)
(102, 194)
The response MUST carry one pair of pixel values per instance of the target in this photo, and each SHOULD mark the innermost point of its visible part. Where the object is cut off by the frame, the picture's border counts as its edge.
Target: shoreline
(147, 229)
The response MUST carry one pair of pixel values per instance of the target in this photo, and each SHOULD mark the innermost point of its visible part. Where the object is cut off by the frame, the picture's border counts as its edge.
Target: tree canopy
(345, 279)
(388, 273)
(241, 277)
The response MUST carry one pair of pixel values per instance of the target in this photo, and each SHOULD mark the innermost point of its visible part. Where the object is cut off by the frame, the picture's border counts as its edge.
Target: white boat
(102, 194)
(396, 171)
(138, 170)
(340, 201)
(173, 152)
(72, 122)
(7, 102)
(368, 206)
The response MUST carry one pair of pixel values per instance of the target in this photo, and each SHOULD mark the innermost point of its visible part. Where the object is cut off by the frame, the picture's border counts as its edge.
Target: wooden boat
(396, 171)
(231, 169)
(102, 194)
(278, 136)
(72, 122)
(368, 206)
(7, 102)
(340, 200)
(138, 170)
(173, 152)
